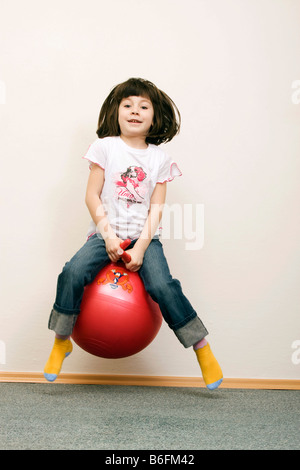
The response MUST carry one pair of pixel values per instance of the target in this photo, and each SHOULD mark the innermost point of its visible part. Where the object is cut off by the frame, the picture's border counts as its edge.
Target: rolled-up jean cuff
(62, 323)
(191, 333)
(60, 309)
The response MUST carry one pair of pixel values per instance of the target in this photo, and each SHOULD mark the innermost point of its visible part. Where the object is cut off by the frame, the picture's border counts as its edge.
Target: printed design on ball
(117, 278)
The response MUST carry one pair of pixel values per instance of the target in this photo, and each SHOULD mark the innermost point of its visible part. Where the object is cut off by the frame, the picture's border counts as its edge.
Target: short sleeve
(168, 170)
(96, 154)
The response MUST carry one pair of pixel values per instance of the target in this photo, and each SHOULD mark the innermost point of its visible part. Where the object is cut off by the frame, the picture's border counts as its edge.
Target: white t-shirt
(130, 178)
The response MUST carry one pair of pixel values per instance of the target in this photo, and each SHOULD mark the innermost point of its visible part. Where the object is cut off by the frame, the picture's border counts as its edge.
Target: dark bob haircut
(166, 120)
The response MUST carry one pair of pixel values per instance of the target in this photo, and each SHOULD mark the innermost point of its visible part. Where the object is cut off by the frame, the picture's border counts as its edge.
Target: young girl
(125, 194)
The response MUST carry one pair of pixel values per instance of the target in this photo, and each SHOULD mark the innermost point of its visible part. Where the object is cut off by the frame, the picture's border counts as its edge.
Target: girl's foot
(61, 349)
(211, 371)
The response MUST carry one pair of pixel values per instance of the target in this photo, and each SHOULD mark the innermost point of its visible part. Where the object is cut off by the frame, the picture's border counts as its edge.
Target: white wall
(230, 65)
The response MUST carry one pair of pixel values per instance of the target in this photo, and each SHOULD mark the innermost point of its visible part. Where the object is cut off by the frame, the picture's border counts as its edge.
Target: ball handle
(125, 256)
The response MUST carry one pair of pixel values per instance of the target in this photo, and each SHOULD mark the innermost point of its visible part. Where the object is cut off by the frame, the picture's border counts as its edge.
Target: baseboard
(150, 381)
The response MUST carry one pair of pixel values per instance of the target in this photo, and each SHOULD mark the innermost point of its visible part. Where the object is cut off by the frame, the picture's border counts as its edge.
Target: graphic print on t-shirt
(131, 185)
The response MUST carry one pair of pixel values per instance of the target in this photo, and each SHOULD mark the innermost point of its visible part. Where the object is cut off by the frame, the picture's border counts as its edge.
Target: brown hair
(166, 120)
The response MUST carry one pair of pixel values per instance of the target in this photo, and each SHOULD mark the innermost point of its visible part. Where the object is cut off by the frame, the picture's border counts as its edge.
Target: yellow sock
(61, 349)
(211, 371)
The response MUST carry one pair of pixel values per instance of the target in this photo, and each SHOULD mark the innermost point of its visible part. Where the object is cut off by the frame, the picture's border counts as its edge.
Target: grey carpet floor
(91, 417)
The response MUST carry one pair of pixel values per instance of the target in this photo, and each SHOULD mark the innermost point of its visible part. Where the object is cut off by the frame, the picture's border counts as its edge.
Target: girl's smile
(134, 121)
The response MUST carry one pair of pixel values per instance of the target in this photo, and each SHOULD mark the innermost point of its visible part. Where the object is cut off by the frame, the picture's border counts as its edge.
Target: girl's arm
(96, 209)
(155, 213)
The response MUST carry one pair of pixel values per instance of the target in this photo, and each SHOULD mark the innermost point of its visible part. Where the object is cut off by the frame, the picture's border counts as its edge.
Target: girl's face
(135, 116)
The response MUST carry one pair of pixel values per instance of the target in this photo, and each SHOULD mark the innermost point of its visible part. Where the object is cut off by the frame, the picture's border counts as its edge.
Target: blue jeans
(162, 287)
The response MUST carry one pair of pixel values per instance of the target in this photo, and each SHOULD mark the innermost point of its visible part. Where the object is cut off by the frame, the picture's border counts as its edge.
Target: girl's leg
(167, 292)
(76, 274)
(177, 311)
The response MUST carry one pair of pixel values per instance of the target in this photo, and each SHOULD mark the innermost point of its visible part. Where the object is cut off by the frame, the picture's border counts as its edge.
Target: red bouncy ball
(118, 318)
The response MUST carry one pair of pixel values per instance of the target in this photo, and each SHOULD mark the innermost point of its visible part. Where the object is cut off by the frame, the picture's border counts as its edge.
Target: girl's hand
(113, 248)
(137, 257)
